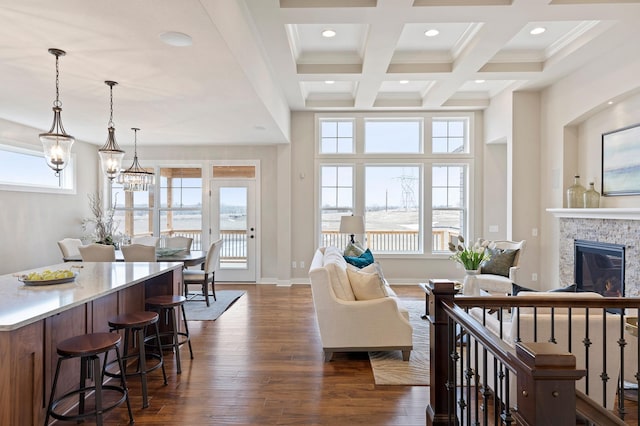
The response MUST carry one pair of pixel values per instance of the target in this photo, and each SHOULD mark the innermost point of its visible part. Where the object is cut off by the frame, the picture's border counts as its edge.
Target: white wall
(31, 223)
(574, 112)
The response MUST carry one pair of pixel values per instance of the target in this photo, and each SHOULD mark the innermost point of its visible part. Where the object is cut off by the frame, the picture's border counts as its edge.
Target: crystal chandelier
(110, 154)
(56, 142)
(135, 178)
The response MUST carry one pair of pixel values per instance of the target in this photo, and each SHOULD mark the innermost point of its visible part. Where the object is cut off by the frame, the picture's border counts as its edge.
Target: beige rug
(389, 368)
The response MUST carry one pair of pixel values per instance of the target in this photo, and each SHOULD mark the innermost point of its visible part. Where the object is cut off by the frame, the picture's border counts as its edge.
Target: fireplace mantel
(602, 213)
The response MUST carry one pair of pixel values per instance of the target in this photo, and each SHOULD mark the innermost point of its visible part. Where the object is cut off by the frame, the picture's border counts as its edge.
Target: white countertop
(21, 304)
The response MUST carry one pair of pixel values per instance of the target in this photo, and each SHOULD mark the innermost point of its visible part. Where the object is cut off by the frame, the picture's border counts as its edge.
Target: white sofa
(498, 284)
(578, 321)
(350, 325)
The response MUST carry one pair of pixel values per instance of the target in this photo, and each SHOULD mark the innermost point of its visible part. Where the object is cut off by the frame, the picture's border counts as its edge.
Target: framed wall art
(621, 161)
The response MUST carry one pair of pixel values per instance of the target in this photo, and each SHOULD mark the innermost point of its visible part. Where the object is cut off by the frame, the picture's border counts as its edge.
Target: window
(336, 199)
(179, 211)
(336, 136)
(181, 203)
(392, 208)
(393, 136)
(412, 201)
(26, 170)
(449, 136)
(448, 204)
(133, 211)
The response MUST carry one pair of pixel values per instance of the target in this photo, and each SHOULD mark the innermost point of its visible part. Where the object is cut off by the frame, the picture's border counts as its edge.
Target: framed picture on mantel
(621, 161)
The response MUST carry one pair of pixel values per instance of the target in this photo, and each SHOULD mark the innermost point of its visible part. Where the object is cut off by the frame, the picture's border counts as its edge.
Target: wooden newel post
(546, 384)
(440, 399)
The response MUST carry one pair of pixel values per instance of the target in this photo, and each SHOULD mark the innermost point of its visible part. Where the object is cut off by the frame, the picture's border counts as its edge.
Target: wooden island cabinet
(33, 319)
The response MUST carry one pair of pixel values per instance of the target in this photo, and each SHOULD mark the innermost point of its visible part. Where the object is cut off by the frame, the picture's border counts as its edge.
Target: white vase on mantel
(470, 286)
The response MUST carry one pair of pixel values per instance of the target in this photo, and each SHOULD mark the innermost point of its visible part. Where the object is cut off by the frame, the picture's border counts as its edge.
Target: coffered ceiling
(380, 57)
(253, 61)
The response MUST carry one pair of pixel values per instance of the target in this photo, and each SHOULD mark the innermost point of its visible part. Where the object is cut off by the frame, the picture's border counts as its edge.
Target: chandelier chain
(110, 124)
(57, 102)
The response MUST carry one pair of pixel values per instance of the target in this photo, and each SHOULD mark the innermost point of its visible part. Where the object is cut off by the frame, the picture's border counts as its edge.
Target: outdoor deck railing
(393, 241)
(235, 241)
(233, 248)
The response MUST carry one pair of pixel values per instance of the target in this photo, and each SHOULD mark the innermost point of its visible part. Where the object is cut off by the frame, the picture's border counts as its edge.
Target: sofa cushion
(366, 285)
(335, 264)
(515, 289)
(333, 255)
(361, 261)
(499, 262)
(557, 295)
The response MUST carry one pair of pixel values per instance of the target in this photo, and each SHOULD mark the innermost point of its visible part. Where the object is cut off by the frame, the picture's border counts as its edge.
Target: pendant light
(110, 154)
(56, 142)
(135, 178)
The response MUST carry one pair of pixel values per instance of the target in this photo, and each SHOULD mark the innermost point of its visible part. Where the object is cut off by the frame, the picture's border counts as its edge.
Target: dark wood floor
(261, 363)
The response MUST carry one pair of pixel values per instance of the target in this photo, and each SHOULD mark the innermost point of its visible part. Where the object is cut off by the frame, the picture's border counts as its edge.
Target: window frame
(67, 179)
(427, 159)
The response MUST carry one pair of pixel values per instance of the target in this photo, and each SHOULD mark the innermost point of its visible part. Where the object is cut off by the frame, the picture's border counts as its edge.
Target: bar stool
(134, 325)
(166, 306)
(88, 347)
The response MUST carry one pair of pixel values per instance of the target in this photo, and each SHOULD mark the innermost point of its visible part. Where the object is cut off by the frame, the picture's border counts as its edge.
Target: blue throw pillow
(361, 261)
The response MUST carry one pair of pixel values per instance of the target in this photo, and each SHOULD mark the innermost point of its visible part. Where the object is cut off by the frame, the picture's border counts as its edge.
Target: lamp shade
(352, 225)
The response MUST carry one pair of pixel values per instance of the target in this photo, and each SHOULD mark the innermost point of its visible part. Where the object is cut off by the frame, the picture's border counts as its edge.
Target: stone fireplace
(617, 227)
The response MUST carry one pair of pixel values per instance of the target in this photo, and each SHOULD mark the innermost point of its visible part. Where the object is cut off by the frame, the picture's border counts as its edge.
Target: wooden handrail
(541, 367)
(595, 413)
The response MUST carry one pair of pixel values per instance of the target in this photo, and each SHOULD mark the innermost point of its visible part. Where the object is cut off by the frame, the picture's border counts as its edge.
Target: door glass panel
(233, 227)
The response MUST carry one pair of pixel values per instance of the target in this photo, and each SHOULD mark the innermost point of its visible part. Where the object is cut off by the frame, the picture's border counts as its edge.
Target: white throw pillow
(340, 282)
(366, 286)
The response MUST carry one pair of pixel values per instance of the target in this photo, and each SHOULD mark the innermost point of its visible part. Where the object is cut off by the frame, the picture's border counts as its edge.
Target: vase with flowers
(471, 258)
(101, 228)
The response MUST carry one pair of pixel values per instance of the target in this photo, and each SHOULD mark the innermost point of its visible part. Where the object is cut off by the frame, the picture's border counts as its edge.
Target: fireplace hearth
(599, 267)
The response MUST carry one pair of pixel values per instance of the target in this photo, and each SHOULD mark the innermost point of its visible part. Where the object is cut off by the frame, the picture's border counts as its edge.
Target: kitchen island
(33, 319)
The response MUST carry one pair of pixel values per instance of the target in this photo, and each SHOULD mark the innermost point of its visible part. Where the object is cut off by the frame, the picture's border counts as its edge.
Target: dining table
(188, 258)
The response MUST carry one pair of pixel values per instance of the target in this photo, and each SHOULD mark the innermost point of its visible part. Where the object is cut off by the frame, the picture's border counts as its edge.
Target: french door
(233, 218)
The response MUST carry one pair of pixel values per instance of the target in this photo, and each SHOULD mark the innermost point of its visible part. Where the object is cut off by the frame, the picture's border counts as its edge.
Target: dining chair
(178, 242)
(147, 240)
(138, 253)
(97, 253)
(69, 247)
(206, 275)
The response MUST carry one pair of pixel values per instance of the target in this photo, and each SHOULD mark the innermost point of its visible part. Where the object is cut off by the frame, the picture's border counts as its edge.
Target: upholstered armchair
(501, 270)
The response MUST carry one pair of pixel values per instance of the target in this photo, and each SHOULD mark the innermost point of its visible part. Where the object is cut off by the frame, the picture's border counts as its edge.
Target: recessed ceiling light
(537, 30)
(328, 33)
(404, 81)
(480, 81)
(173, 38)
(329, 82)
(610, 102)
(432, 32)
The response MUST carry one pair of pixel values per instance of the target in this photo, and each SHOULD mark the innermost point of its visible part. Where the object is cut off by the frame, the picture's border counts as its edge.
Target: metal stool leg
(142, 366)
(123, 383)
(186, 330)
(53, 392)
(159, 348)
(176, 346)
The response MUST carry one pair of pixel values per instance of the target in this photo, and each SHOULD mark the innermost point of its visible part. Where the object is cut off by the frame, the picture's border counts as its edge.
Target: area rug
(388, 366)
(197, 310)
